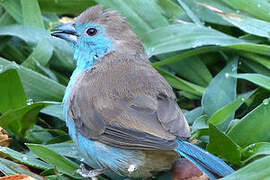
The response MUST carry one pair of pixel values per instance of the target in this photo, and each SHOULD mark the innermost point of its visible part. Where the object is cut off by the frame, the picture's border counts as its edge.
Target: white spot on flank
(131, 168)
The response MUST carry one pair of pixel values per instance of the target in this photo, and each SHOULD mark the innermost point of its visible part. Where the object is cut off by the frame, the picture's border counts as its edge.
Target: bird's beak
(66, 31)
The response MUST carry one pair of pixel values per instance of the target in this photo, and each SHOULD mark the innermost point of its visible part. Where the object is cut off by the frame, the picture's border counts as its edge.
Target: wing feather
(127, 104)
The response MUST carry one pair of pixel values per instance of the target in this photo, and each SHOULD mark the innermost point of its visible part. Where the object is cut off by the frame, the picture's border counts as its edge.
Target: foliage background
(214, 53)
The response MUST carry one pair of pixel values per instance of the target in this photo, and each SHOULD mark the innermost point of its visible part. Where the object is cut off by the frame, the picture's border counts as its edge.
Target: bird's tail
(211, 165)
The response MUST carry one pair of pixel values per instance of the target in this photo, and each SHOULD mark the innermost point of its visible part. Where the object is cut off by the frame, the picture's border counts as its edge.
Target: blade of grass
(220, 92)
(190, 14)
(259, 169)
(14, 9)
(37, 86)
(256, 8)
(225, 112)
(24, 158)
(258, 79)
(63, 164)
(12, 94)
(41, 53)
(32, 14)
(11, 168)
(181, 84)
(254, 127)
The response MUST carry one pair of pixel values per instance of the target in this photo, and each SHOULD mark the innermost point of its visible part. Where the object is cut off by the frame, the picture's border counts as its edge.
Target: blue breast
(98, 155)
(119, 160)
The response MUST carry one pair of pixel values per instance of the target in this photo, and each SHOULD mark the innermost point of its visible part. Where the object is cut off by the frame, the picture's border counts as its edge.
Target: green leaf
(190, 14)
(258, 79)
(254, 48)
(14, 9)
(140, 23)
(256, 8)
(200, 133)
(181, 84)
(31, 13)
(260, 59)
(255, 150)
(37, 86)
(24, 158)
(177, 37)
(65, 7)
(194, 70)
(61, 163)
(10, 168)
(57, 177)
(200, 123)
(259, 169)
(205, 14)
(59, 139)
(254, 127)
(21, 119)
(39, 137)
(12, 95)
(6, 20)
(185, 55)
(257, 68)
(171, 9)
(13, 49)
(220, 92)
(30, 35)
(65, 149)
(223, 146)
(54, 110)
(64, 54)
(192, 115)
(187, 36)
(248, 24)
(225, 112)
(42, 53)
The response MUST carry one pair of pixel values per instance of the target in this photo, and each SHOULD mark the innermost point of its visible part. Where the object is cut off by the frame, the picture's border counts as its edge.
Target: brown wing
(128, 104)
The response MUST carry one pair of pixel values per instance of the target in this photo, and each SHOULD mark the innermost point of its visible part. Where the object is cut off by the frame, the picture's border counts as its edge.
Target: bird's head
(96, 33)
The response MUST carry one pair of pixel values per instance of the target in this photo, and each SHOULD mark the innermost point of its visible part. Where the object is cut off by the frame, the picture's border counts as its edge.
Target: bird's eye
(91, 31)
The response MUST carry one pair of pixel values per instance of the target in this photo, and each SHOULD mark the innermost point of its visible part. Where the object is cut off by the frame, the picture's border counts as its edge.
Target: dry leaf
(17, 177)
(65, 20)
(185, 170)
(4, 140)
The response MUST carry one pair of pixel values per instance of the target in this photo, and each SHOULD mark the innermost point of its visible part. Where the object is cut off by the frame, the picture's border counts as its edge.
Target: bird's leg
(90, 173)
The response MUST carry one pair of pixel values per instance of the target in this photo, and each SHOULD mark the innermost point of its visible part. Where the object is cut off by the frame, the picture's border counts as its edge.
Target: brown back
(124, 102)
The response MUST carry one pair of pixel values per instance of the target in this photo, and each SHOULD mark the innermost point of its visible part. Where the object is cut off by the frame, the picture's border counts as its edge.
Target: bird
(119, 110)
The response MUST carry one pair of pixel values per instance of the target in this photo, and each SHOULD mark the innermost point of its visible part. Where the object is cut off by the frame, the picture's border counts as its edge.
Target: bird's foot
(90, 173)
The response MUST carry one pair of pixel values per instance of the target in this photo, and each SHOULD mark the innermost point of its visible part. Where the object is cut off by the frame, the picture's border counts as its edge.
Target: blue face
(89, 42)
(91, 45)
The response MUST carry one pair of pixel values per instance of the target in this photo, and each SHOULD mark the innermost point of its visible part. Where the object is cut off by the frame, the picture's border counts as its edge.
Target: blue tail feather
(211, 165)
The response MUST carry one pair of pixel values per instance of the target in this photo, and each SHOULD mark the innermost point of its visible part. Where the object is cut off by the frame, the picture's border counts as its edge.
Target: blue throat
(87, 52)
(90, 49)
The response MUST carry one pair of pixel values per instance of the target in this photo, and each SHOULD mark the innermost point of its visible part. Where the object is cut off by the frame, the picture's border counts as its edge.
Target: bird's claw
(89, 173)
